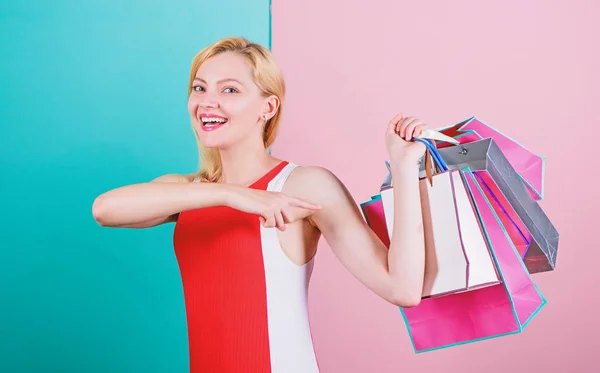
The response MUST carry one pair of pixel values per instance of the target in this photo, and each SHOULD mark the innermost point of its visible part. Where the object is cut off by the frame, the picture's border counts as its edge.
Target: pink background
(527, 68)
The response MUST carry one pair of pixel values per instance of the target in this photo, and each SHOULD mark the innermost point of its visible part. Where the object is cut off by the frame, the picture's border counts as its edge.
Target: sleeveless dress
(245, 300)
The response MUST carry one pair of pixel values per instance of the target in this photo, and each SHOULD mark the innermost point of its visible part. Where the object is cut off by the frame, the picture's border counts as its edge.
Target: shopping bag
(516, 229)
(466, 317)
(514, 226)
(490, 312)
(472, 316)
(527, 225)
(529, 166)
(457, 255)
(520, 214)
(373, 209)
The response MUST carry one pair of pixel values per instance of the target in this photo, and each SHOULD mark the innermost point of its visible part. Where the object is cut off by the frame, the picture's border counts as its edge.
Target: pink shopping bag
(465, 317)
(528, 165)
(470, 316)
(480, 314)
(527, 224)
(375, 217)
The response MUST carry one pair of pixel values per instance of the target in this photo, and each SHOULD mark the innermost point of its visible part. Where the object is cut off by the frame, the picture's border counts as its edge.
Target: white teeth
(213, 120)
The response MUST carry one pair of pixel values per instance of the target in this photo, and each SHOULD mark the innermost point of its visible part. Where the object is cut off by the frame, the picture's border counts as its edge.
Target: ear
(270, 107)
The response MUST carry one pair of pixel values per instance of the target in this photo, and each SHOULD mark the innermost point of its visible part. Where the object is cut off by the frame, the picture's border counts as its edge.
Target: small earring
(265, 117)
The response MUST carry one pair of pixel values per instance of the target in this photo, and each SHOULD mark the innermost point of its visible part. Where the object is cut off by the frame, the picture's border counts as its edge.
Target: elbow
(405, 300)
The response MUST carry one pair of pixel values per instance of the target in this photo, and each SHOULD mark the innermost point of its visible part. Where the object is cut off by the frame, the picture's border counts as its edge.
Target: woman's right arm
(161, 200)
(156, 202)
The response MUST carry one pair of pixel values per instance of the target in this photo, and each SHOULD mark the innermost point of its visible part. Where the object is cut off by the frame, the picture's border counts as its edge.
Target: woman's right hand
(273, 208)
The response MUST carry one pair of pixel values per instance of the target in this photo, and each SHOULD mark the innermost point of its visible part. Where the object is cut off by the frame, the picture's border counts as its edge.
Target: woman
(248, 224)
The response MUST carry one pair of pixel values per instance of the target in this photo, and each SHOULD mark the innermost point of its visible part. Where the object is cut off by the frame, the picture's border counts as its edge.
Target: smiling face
(225, 104)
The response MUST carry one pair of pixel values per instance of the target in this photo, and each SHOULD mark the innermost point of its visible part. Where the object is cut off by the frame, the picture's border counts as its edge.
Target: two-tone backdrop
(93, 96)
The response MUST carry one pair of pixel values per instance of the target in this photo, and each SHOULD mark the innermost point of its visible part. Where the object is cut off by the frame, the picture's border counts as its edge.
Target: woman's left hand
(399, 135)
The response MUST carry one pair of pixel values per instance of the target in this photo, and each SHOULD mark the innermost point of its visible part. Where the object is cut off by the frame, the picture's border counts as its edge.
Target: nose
(209, 103)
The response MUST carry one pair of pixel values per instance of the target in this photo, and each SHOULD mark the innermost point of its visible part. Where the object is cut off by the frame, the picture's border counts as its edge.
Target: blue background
(93, 96)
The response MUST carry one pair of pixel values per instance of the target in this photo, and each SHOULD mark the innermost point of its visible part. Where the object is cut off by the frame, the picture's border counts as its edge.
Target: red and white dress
(246, 301)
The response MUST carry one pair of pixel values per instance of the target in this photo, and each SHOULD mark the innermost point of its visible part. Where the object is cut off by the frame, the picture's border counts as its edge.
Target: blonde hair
(266, 75)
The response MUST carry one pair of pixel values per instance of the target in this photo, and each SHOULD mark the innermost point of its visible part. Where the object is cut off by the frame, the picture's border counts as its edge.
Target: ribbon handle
(437, 135)
(434, 163)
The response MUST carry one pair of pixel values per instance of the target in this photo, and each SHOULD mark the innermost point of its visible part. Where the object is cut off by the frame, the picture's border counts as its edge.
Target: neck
(246, 162)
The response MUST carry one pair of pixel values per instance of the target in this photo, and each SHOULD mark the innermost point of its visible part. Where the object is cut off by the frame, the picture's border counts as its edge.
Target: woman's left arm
(395, 274)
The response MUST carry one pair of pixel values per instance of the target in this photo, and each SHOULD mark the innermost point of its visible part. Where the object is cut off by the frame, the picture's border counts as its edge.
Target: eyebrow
(220, 81)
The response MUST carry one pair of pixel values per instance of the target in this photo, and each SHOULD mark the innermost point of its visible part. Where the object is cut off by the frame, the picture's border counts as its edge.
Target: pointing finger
(287, 217)
(295, 202)
(270, 221)
(279, 223)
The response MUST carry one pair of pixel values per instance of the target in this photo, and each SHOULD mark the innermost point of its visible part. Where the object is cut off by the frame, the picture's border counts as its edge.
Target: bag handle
(441, 163)
(437, 164)
(426, 137)
(436, 135)
(432, 156)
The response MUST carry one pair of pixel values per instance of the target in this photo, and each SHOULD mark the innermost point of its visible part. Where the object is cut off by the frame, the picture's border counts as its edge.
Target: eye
(197, 88)
(230, 90)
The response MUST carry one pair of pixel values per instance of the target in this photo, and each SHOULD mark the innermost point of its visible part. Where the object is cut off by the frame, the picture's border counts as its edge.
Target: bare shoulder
(315, 184)
(174, 178)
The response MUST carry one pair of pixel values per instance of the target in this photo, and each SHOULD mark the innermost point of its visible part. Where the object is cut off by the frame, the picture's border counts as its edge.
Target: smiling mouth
(212, 122)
